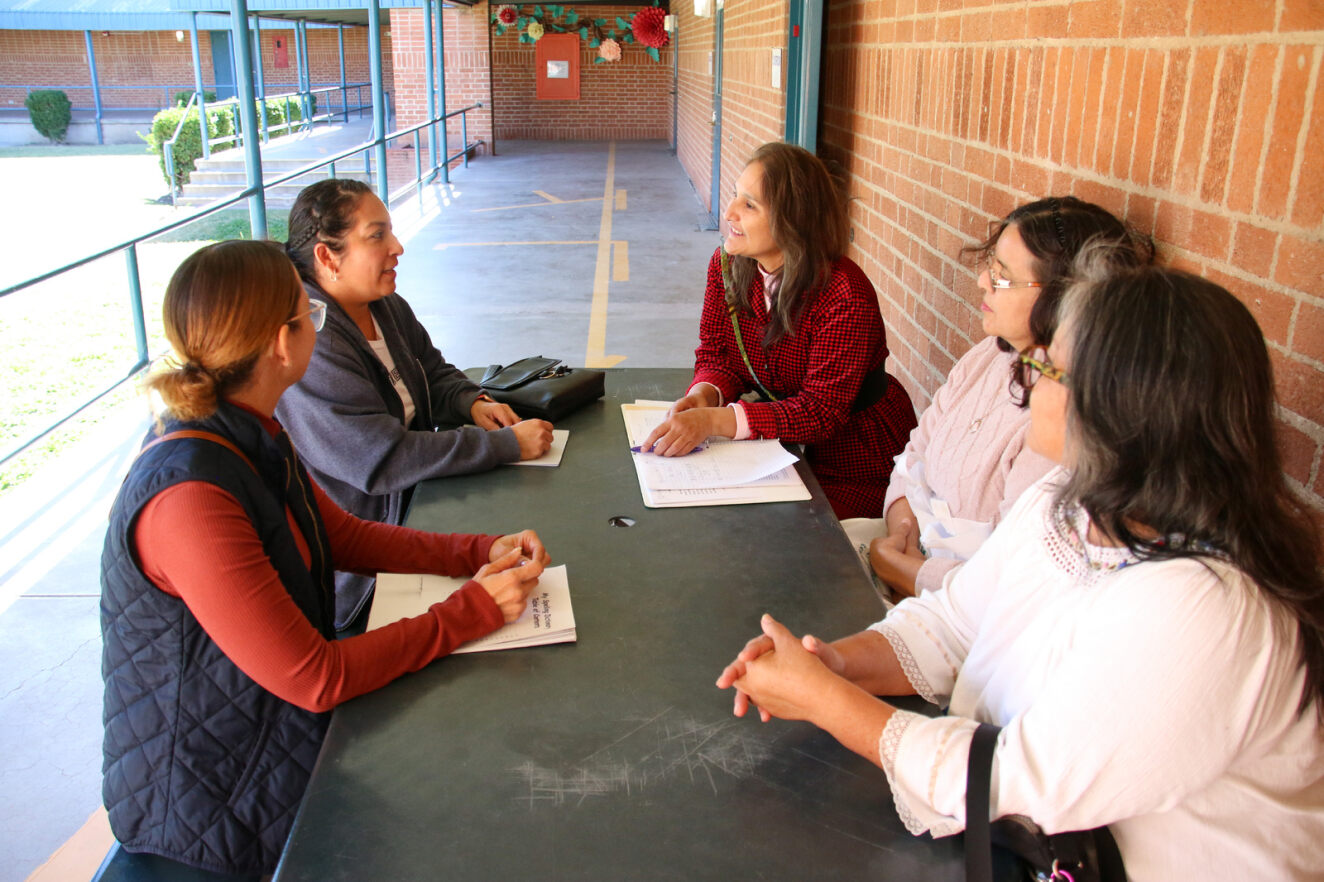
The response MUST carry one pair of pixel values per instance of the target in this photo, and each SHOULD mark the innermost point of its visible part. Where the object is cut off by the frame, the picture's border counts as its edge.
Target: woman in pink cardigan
(966, 461)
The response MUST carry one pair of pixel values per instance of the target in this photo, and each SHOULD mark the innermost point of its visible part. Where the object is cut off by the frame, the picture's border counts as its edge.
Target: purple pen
(640, 449)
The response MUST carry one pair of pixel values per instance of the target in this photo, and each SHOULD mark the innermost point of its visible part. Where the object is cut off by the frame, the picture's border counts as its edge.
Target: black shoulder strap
(979, 771)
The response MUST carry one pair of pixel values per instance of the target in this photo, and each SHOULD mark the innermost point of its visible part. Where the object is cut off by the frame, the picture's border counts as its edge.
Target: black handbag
(1016, 845)
(542, 388)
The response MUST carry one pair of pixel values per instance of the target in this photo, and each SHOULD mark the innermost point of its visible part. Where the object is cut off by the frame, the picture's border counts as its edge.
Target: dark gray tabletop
(615, 757)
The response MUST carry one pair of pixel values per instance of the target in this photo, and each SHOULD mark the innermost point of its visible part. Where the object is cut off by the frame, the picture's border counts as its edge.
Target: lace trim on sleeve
(888, 743)
(909, 666)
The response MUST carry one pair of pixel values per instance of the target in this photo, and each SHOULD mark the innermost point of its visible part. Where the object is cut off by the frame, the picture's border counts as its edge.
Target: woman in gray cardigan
(366, 414)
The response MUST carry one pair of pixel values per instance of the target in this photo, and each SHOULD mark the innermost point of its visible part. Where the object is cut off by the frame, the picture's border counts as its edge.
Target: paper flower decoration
(610, 50)
(535, 31)
(507, 14)
(647, 26)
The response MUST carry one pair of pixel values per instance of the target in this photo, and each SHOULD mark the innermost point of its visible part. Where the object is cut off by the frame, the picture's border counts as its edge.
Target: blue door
(222, 63)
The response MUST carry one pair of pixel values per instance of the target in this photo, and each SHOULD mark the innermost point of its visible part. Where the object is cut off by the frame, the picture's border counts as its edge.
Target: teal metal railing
(230, 107)
(130, 246)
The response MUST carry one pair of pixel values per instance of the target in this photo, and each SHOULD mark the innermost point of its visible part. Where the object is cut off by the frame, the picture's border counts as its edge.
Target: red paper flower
(507, 15)
(648, 27)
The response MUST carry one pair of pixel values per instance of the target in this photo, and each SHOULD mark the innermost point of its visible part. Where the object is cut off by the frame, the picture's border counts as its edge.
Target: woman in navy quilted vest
(787, 316)
(220, 661)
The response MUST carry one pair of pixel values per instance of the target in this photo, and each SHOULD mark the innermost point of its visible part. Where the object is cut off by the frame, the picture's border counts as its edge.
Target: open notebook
(549, 617)
(758, 471)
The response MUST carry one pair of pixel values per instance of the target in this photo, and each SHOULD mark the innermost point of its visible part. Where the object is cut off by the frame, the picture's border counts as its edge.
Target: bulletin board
(557, 67)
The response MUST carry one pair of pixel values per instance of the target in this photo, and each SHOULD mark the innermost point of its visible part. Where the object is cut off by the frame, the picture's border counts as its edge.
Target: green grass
(72, 150)
(229, 224)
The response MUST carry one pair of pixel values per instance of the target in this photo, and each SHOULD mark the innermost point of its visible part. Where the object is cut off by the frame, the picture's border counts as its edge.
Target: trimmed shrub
(182, 98)
(188, 147)
(50, 111)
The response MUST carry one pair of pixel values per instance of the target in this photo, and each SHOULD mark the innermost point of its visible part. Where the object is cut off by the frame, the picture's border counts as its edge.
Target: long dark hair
(321, 213)
(1055, 230)
(807, 217)
(1171, 419)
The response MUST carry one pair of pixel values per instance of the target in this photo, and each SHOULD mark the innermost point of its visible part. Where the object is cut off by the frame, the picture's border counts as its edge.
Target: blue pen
(640, 449)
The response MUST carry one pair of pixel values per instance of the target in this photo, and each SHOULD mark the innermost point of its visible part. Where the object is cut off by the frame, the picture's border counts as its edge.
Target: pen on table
(639, 449)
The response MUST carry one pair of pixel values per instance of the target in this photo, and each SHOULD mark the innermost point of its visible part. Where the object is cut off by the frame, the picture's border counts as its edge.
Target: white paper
(553, 455)
(719, 464)
(549, 617)
(783, 485)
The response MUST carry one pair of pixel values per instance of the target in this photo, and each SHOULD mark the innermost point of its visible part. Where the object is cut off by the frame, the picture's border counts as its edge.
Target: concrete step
(207, 185)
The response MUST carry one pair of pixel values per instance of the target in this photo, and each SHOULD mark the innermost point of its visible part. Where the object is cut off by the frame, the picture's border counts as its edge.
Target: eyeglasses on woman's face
(316, 312)
(1036, 364)
(1001, 282)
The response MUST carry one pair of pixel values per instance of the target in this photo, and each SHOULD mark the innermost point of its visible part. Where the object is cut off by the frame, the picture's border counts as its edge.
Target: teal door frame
(804, 41)
(715, 211)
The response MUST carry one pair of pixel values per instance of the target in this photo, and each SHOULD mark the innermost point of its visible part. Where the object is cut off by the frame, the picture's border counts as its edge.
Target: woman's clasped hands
(517, 560)
(782, 675)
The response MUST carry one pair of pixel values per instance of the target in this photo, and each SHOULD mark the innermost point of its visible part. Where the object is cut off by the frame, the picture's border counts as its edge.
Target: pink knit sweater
(972, 441)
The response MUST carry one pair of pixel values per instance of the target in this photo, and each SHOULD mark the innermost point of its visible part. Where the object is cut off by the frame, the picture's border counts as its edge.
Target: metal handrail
(168, 91)
(130, 248)
(168, 148)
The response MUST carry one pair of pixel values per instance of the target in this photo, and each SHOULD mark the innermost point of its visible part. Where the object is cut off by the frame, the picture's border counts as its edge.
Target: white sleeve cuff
(923, 759)
(909, 666)
(930, 664)
(742, 421)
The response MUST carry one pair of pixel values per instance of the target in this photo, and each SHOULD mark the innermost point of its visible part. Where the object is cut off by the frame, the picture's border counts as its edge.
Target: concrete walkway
(590, 252)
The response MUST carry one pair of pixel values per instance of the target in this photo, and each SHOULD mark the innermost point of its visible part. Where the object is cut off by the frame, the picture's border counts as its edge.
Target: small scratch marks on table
(819, 759)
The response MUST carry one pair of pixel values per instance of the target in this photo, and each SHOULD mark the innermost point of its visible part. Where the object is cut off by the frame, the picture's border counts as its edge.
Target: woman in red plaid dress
(812, 335)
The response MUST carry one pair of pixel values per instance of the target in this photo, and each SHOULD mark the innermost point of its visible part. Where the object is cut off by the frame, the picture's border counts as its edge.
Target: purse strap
(727, 285)
(200, 435)
(978, 775)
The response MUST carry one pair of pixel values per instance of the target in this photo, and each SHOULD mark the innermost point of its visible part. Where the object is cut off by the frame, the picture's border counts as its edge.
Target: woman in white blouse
(966, 462)
(1146, 625)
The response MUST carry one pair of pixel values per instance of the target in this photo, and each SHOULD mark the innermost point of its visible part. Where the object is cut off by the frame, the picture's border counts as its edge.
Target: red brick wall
(624, 100)
(753, 109)
(1197, 122)
(324, 59)
(694, 132)
(153, 59)
(467, 69)
(148, 59)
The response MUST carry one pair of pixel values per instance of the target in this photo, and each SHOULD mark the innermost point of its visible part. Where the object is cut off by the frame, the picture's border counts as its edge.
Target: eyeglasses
(316, 311)
(1036, 364)
(996, 279)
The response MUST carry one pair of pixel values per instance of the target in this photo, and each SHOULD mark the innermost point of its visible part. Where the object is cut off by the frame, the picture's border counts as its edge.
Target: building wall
(157, 65)
(1199, 123)
(153, 62)
(694, 133)
(753, 109)
(468, 80)
(622, 100)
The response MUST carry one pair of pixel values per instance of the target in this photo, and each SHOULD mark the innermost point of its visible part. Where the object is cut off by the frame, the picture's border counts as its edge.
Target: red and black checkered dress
(816, 373)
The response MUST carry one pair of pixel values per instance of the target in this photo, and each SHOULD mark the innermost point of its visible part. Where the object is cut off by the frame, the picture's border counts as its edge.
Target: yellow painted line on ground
(596, 355)
(551, 200)
(81, 855)
(442, 246)
(620, 261)
(620, 200)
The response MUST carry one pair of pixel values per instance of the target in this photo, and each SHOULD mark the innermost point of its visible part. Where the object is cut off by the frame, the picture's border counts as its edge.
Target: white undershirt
(383, 353)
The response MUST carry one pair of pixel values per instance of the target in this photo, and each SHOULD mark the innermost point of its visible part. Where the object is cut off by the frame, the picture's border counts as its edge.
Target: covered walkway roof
(170, 15)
